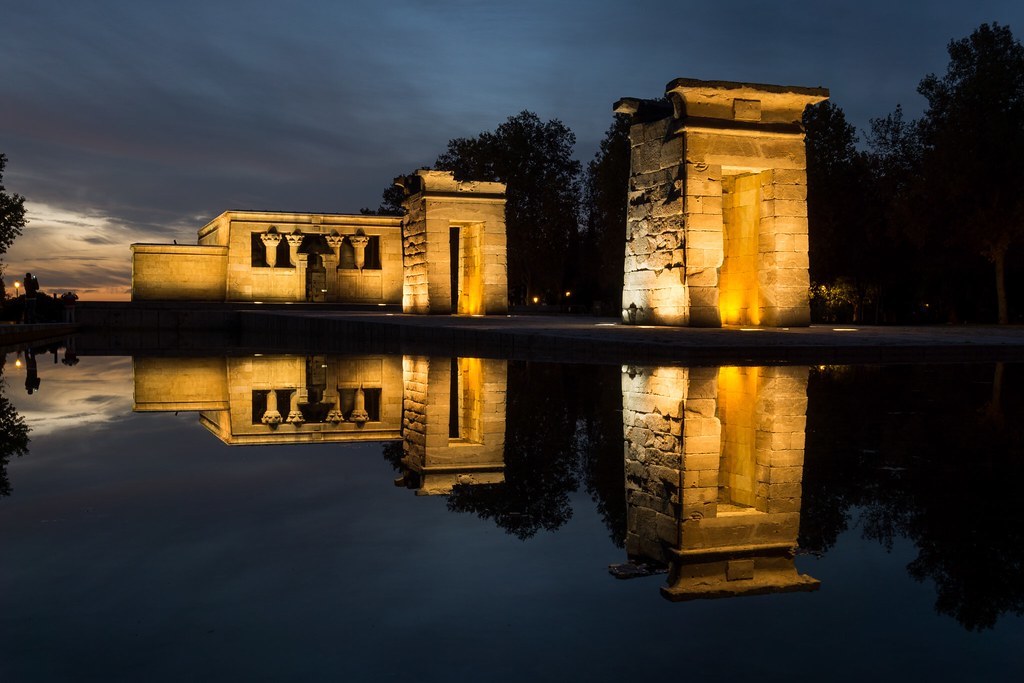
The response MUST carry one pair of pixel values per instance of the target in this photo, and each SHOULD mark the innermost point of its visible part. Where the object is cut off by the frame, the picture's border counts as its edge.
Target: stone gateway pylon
(454, 247)
(716, 227)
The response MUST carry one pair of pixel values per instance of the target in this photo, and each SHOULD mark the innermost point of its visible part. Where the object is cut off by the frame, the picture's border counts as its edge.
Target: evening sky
(140, 121)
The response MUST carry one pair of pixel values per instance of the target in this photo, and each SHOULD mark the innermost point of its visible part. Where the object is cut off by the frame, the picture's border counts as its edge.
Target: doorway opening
(738, 298)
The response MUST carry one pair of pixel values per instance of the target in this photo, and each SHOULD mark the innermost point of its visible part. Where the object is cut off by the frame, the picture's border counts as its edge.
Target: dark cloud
(160, 116)
(100, 239)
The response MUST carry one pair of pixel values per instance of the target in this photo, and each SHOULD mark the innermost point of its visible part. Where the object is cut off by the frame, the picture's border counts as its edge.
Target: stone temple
(447, 255)
(716, 227)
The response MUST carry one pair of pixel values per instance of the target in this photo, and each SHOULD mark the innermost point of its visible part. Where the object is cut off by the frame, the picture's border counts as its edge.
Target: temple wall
(417, 247)
(179, 272)
(286, 281)
(447, 256)
(166, 272)
(785, 266)
(714, 163)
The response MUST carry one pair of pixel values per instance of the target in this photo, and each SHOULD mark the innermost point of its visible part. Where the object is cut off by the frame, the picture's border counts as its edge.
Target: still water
(271, 517)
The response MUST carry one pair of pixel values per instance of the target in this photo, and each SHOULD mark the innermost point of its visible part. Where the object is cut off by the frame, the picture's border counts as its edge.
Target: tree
(12, 212)
(973, 143)
(840, 254)
(904, 259)
(534, 159)
(391, 203)
(13, 434)
(605, 192)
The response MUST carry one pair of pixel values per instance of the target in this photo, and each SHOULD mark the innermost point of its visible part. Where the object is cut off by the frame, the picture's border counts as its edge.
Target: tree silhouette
(12, 212)
(390, 205)
(605, 192)
(13, 435)
(534, 159)
(973, 142)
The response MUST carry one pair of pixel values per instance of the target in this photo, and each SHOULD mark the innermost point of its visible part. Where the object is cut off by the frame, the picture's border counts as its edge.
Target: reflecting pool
(318, 517)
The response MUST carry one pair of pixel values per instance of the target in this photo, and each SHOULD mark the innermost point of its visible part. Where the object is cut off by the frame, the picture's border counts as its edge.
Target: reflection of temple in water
(448, 413)
(714, 462)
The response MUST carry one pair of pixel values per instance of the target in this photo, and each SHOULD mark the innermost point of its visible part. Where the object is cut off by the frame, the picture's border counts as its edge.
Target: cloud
(68, 250)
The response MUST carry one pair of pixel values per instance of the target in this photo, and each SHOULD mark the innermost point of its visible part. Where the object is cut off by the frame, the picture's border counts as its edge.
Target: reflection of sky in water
(139, 547)
(89, 394)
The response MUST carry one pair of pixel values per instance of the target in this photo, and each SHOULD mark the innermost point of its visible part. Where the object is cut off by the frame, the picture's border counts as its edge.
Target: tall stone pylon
(716, 227)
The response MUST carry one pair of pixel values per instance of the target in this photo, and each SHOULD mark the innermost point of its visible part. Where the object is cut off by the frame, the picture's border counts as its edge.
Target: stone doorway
(739, 295)
(316, 279)
(467, 270)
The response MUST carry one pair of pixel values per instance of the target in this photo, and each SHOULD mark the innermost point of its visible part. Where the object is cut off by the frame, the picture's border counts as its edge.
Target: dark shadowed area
(137, 546)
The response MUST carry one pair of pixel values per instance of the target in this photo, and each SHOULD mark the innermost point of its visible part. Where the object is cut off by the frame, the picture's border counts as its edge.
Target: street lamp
(17, 288)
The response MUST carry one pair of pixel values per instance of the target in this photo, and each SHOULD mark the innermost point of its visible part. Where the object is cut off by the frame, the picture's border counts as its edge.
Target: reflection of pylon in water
(359, 414)
(294, 414)
(271, 416)
(334, 415)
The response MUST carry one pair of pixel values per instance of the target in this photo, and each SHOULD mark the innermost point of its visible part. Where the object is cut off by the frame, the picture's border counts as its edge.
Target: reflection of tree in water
(563, 428)
(600, 442)
(540, 456)
(13, 434)
(931, 457)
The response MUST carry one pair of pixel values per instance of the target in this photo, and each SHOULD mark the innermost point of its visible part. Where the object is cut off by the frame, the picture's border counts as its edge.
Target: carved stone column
(331, 261)
(359, 243)
(271, 416)
(334, 241)
(294, 242)
(270, 241)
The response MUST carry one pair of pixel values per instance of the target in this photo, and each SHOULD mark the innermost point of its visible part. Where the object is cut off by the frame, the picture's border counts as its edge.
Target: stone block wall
(654, 271)
(166, 272)
(415, 246)
(220, 267)
(783, 246)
